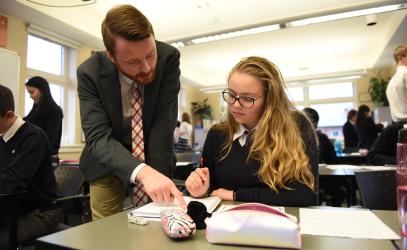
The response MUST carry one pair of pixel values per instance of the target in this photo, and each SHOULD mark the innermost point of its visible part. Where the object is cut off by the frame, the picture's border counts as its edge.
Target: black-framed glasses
(244, 101)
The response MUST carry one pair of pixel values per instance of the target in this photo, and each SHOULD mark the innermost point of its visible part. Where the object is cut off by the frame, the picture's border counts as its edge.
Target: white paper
(336, 167)
(227, 207)
(184, 163)
(378, 168)
(351, 223)
(152, 209)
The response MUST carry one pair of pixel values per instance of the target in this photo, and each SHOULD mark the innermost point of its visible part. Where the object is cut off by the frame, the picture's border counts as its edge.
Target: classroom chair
(378, 189)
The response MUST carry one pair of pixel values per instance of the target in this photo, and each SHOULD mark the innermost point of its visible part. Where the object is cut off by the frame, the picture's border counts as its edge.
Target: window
(295, 94)
(58, 67)
(332, 90)
(332, 114)
(330, 100)
(53, 63)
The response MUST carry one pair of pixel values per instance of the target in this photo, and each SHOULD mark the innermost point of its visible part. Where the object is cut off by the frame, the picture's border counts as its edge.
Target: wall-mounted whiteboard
(10, 73)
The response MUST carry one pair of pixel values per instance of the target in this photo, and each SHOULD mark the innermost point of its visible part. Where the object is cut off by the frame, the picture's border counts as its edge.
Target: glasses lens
(246, 102)
(228, 97)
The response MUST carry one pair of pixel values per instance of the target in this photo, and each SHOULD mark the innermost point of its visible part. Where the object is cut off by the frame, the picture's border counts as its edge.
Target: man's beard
(145, 78)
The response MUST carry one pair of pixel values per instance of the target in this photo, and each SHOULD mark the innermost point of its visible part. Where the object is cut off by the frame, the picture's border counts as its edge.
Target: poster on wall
(3, 31)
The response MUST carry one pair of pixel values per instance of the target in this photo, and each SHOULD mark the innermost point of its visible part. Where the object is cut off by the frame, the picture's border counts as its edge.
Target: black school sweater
(25, 164)
(235, 173)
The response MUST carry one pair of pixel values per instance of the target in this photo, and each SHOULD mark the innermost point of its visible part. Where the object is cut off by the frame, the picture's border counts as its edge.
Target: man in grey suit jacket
(104, 87)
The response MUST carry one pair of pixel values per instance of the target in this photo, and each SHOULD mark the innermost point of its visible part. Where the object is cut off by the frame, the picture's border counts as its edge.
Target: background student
(366, 129)
(265, 151)
(384, 149)
(128, 104)
(183, 144)
(185, 129)
(327, 152)
(25, 165)
(349, 133)
(45, 113)
(397, 89)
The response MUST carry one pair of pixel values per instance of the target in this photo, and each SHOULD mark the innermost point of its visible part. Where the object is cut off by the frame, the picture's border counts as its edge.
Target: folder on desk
(153, 209)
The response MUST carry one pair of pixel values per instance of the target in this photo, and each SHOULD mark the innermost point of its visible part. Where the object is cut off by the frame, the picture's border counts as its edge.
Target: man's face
(136, 59)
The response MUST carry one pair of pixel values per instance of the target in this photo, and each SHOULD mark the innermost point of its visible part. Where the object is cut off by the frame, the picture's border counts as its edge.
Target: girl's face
(245, 85)
(35, 93)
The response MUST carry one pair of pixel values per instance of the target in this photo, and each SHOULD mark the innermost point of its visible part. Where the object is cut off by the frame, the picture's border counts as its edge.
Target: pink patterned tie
(139, 196)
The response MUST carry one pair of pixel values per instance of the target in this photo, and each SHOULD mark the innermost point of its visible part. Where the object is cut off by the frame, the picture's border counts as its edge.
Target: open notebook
(152, 209)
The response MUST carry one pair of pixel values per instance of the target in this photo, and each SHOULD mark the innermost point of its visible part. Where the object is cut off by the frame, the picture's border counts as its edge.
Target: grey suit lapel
(151, 94)
(111, 96)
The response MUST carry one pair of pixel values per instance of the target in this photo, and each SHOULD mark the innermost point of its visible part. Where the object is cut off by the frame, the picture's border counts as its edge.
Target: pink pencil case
(253, 224)
(177, 223)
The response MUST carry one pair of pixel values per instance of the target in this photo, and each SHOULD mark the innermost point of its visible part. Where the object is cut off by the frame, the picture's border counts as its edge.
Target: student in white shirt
(185, 130)
(397, 89)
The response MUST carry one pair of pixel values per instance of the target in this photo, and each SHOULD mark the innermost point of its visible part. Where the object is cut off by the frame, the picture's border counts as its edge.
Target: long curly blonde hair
(277, 142)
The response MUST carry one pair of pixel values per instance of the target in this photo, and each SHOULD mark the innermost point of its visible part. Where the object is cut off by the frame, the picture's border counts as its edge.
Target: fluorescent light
(232, 34)
(178, 44)
(214, 89)
(294, 23)
(343, 78)
(343, 15)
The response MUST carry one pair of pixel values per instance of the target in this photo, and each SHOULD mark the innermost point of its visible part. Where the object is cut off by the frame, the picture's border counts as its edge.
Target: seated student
(25, 164)
(349, 133)
(327, 152)
(366, 129)
(185, 129)
(265, 151)
(333, 188)
(384, 149)
(180, 143)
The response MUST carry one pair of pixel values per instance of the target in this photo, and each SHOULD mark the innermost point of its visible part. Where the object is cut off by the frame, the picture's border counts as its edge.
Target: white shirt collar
(13, 129)
(401, 67)
(125, 79)
(241, 135)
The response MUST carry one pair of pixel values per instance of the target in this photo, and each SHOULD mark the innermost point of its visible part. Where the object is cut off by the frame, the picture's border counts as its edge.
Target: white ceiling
(328, 48)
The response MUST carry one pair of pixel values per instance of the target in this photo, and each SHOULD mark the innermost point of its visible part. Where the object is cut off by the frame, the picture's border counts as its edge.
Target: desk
(115, 232)
(352, 158)
(345, 174)
(348, 170)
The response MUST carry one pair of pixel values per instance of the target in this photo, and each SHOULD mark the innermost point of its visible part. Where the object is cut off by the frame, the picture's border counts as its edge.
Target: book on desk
(153, 209)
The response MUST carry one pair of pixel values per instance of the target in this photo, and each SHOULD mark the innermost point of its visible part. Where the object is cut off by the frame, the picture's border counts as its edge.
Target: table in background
(346, 173)
(115, 232)
(351, 159)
